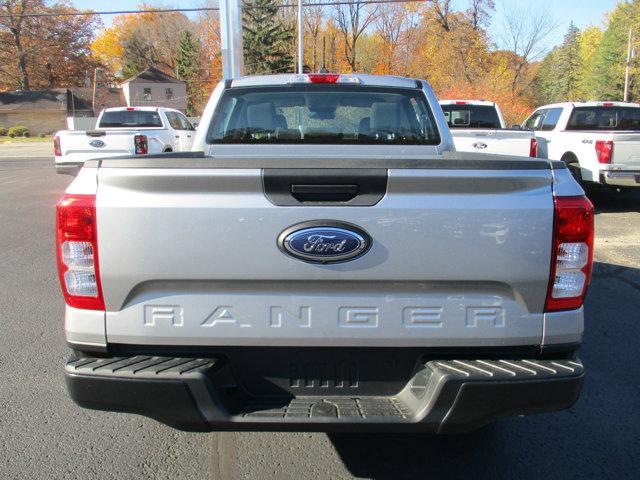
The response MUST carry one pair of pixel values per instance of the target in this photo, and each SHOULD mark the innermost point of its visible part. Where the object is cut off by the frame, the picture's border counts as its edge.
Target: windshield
(323, 114)
(130, 119)
(471, 116)
(604, 118)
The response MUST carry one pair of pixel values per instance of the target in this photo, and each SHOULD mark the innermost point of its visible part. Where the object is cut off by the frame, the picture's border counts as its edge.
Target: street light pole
(231, 39)
(299, 36)
(627, 70)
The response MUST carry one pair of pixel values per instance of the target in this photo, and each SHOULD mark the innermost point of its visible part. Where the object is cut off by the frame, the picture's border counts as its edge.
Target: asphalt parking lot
(43, 435)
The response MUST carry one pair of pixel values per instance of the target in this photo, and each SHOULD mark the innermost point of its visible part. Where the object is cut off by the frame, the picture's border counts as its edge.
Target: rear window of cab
(130, 119)
(323, 114)
(605, 118)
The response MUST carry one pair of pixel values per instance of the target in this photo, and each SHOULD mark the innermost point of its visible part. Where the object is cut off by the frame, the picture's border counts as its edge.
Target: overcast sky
(581, 12)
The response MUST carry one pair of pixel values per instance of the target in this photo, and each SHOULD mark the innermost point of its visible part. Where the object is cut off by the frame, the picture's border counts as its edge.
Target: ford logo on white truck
(324, 242)
(97, 143)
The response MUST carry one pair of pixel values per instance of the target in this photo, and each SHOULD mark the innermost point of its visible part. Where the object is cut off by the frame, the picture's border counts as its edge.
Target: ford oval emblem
(324, 241)
(97, 143)
(480, 145)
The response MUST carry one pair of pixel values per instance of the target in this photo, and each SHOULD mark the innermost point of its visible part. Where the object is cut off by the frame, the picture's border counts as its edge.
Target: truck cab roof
(354, 78)
(597, 103)
(486, 103)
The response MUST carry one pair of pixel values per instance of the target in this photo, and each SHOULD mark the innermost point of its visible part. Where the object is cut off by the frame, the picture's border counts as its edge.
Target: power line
(198, 9)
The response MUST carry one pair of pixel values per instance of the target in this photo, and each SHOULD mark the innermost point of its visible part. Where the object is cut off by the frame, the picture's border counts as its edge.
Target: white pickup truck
(478, 126)
(124, 131)
(599, 141)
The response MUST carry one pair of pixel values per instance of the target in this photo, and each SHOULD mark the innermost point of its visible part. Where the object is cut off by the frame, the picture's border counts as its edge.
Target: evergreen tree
(266, 38)
(187, 66)
(570, 62)
(558, 78)
(548, 84)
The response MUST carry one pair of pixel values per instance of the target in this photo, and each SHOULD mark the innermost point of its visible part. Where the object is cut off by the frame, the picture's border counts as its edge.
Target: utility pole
(300, 36)
(231, 39)
(627, 70)
(95, 89)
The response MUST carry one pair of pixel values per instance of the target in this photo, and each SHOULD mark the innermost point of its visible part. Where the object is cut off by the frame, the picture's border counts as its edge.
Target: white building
(155, 88)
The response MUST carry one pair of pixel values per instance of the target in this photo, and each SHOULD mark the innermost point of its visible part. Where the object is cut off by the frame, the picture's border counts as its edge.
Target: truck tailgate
(626, 150)
(502, 142)
(460, 254)
(81, 145)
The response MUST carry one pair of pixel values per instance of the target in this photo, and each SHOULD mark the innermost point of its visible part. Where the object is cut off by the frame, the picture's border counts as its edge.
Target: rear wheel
(574, 168)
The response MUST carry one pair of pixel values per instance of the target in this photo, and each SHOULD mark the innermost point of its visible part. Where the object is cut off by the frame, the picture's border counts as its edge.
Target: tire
(574, 168)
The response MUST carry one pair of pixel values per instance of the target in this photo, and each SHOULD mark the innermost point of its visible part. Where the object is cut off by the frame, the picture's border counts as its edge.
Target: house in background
(155, 88)
(46, 111)
(43, 111)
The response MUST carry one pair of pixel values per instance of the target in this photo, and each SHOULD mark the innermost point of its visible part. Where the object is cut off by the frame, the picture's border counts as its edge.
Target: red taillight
(608, 104)
(57, 151)
(141, 144)
(572, 254)
(604, 151)
(130, 109)
(323, 77)
(533, 148)
(77, 251)
(461, 103)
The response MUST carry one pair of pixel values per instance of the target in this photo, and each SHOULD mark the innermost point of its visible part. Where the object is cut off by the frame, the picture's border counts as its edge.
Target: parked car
(122, 132)
(325, 262)
(478, 126)
(599, 141)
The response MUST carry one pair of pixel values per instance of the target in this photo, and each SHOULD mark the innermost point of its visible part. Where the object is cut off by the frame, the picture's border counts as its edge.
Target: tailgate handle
(346, 187)
(95, 133)
(324, 193)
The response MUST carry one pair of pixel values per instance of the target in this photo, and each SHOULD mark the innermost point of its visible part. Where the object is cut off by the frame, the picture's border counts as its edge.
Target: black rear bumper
(444, 396)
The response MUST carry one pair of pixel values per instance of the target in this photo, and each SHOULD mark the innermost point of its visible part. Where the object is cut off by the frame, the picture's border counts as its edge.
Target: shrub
(12, 135)
(19, 131)
(3, 131)
(42, 135)
(26, 134)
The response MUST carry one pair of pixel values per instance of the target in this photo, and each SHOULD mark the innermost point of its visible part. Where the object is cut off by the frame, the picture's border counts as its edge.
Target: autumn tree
(479, 12)
(589, 44)
(44, 51)
(390, 24)
(525, 34)
(314, 18)
(137, 41)
(353, 20)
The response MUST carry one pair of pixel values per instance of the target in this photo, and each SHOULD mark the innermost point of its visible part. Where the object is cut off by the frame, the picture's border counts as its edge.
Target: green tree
(609, 62)
(558, 78)
(187, 66)
(589, 41)
(266, 38)
(571, 62)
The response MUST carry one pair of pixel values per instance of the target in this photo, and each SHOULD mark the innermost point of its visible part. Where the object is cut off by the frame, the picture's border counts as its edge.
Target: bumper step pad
(200, 394)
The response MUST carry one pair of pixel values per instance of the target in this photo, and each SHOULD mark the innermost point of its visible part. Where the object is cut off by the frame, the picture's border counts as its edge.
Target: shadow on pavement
(596, 438)
(610, 201)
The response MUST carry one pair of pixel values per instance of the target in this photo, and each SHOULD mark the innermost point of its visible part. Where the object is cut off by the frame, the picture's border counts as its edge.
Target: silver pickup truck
(326, 262)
